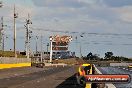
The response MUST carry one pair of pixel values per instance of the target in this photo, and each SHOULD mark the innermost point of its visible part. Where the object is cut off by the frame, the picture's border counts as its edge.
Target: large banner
(59, 48)
(60, 42)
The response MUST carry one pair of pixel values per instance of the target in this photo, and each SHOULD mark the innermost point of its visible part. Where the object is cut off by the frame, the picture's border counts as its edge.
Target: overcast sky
(83, 16)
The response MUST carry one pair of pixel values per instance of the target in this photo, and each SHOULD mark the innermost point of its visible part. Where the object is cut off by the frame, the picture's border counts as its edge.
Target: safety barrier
(120, 64)
(13, 60)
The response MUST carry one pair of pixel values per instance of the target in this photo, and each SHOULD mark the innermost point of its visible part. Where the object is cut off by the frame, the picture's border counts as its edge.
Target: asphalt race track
(46, 78)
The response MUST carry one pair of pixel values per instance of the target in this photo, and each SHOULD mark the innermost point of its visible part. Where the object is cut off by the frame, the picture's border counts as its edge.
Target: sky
(104, 24)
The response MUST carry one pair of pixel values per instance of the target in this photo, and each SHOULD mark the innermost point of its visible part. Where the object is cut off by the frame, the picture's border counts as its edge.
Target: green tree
(108, 55)
(90, 56)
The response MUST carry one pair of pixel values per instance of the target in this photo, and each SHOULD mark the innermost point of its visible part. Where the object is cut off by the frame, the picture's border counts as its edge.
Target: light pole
(51, 51)
(47, 48)
(36, 44)
(1, 5)
(43, 44)
(15, 16)
(41, 49)
(1, 29)
(80, 50)
(81, 47)
(3, 45)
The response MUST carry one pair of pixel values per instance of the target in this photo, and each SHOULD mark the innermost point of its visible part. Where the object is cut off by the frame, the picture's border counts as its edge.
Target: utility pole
(1, 5)
(41, 48)
(36, 44)
(51, 50)
(47, 48)
(81, 47)
(3, 45)
(27, 26)
(76, 41)
(2, 35)
(80, 50)
(1, 29)
(15, 16)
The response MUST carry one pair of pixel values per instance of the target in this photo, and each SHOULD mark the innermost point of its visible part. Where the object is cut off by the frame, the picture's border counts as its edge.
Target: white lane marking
(124, 68)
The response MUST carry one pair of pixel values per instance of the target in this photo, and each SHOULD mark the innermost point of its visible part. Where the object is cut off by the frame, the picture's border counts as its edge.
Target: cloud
(67, 3)
(118, 3)
(58, 3)
(125, 13)
(87, 15)
(88, 19)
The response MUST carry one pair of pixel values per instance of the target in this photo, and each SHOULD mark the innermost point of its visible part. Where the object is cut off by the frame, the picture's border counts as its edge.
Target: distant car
(36, 62)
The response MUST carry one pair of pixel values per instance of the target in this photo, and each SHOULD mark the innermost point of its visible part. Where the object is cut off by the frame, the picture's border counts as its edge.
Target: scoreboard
(60, 42)
(59, 48)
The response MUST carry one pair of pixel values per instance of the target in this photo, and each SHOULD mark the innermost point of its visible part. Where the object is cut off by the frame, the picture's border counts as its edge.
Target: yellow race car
(83, 70)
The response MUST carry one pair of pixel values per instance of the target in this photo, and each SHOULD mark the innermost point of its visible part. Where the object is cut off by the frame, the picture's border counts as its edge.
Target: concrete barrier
(12, 62)
(120, 64)
(59, 64)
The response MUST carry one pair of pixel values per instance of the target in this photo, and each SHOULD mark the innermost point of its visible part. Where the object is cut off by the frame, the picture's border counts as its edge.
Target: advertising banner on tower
(60, 42)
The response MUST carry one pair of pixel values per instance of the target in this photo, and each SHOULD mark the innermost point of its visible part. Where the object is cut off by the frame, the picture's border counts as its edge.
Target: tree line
(109, 56)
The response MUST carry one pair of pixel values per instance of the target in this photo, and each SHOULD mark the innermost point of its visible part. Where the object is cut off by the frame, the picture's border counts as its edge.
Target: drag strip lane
(12, 81)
